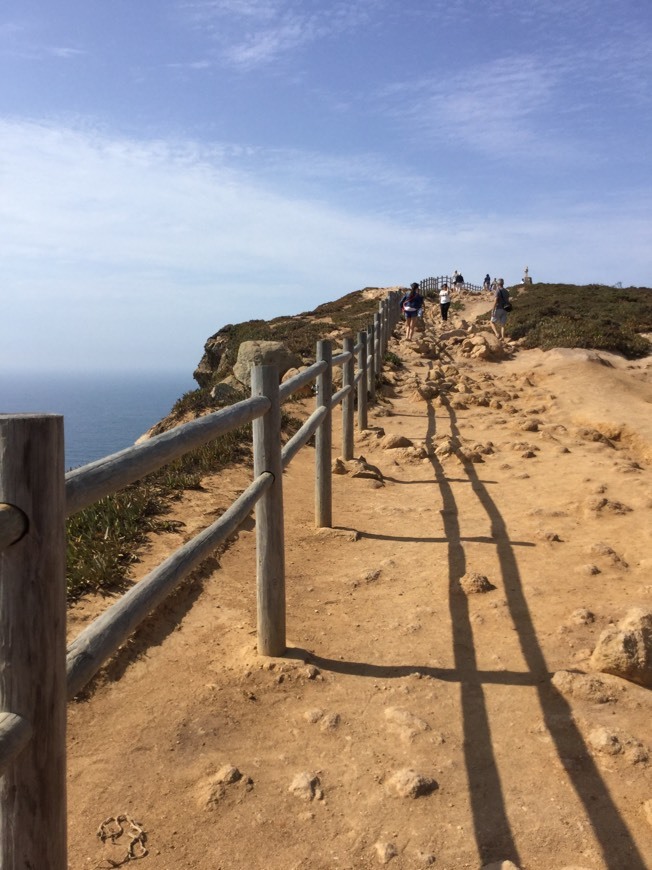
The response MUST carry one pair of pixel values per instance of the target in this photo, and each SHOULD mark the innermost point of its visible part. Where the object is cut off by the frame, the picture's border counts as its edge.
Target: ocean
(103, 413)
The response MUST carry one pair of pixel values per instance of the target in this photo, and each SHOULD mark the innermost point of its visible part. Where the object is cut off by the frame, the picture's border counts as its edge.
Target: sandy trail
(391, 667)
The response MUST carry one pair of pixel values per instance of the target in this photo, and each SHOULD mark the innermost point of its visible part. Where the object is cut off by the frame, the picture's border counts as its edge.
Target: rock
(607, 552)
(599, 504)
(385, 852)
(214, 790)
(625, 650)
(252, 353)
(585, 687)
(405, 723)
(227, 391)
(312, 672)
(547, 535)
(530, 426)
(473, 583)
(338, 467)
(313, 716)
(214, 360)
(582, 616)
(608, 742)
(330, 722)
(303, 392)
(409, 783)
(306, 786)
(425, 858)
(392, 442)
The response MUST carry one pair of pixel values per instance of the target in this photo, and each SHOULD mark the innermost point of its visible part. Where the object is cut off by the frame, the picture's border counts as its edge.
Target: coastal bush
(591, 316)
(103, 539)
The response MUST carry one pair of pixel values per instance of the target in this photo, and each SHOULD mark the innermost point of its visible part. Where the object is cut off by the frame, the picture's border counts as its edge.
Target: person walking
(499, 313)
(444, 301)
(459, 280)
(487, 282)
(411, 304)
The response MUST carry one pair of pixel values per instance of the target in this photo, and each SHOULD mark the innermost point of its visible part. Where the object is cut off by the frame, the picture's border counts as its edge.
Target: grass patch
(591, 316)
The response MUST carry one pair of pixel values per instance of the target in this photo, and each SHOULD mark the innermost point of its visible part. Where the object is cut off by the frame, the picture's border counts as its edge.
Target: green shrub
(588, 316)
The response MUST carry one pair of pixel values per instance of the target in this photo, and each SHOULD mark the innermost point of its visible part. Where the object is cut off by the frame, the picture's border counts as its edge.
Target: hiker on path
(411, 305)
(487, 282)
(444, 301)
(458, 280)
(499, 314)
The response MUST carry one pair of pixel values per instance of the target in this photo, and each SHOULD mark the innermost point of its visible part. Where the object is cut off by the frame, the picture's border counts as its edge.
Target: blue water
(103, 413)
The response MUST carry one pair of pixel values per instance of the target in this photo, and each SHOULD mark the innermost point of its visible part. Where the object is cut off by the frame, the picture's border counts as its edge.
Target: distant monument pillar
(526, 276)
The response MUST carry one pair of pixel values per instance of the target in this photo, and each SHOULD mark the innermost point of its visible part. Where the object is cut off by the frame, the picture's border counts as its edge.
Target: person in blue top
(411, 305)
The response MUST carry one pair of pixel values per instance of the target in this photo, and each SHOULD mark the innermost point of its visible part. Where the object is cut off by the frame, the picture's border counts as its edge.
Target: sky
(171, 166)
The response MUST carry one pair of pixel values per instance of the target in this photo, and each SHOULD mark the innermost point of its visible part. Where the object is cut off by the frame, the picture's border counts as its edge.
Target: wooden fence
(37, 673)
(431, 286)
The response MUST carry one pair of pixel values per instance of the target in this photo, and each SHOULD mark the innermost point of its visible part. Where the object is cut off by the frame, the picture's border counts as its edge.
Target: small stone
(582, 616)
(392, 442)
(306, 786)
(228, 774)
(473, 583)
(409, 783)
(385, 852)
(312, 672)
(313, 716)
(330, 722)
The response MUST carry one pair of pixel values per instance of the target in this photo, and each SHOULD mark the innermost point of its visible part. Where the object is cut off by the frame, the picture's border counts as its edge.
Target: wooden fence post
(33, 643)
(270, 546)
(378, 357)
(323, 441)
(362, 383)
(371, 361)
(347, 402)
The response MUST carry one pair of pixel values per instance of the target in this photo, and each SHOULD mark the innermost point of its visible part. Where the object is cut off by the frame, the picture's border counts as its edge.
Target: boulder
(254, 353)
(625, 650)
(303, 392)
(209, 365)
(227, 391)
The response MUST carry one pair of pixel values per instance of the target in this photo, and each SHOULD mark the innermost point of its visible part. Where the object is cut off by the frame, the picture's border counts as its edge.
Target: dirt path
(396, 682)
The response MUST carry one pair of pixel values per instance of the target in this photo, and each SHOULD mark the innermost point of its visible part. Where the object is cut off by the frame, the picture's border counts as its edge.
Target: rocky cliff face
(299, 333)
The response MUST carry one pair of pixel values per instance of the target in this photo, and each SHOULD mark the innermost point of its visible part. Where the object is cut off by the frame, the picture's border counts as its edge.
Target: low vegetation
(589, 316)
(103, 539)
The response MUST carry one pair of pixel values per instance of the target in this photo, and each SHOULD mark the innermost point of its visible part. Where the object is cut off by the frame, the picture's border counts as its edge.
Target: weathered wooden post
(270, 546)
(371, 361)
(33, 643)
(362, 383)
(347, 401)
(378, 357)
(323, 441)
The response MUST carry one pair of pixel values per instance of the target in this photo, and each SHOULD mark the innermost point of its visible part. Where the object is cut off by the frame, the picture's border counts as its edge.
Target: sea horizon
(104, 412)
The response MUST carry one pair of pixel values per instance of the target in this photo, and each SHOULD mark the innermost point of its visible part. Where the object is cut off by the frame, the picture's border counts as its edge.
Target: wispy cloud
(254, 33)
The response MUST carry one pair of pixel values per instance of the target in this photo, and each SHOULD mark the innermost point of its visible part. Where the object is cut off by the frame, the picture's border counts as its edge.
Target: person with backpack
(499, 312)
(411, 305)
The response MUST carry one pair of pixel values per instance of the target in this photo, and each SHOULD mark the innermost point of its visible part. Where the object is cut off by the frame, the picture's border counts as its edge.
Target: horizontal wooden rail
(339, 395)
(13, 525)
(88, 484)
(300, 438)
(341, 358)
(301, 380)
(15, 734)
(358, 377)
(100, 640)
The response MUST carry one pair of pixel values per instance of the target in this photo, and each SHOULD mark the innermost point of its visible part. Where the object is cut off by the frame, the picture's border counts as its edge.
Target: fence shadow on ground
(616, 843)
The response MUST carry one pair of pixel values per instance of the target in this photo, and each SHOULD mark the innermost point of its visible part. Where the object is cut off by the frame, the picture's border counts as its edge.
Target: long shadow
(618, 847)
(474, 539)
(493, 833)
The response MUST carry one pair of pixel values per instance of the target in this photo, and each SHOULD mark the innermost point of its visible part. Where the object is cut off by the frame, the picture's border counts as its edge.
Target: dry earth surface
(416, 720)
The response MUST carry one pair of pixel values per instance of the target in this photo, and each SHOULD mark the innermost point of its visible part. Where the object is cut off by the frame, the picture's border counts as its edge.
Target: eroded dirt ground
(395, 680)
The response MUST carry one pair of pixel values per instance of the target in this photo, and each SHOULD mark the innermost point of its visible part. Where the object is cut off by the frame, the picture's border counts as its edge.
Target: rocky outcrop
(257, 353)
(213, 363)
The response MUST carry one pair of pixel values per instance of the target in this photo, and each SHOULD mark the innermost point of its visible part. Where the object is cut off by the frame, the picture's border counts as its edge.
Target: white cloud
(122, 253)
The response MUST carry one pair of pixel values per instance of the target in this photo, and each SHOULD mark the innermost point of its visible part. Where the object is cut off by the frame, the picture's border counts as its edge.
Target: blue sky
(169, 166)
